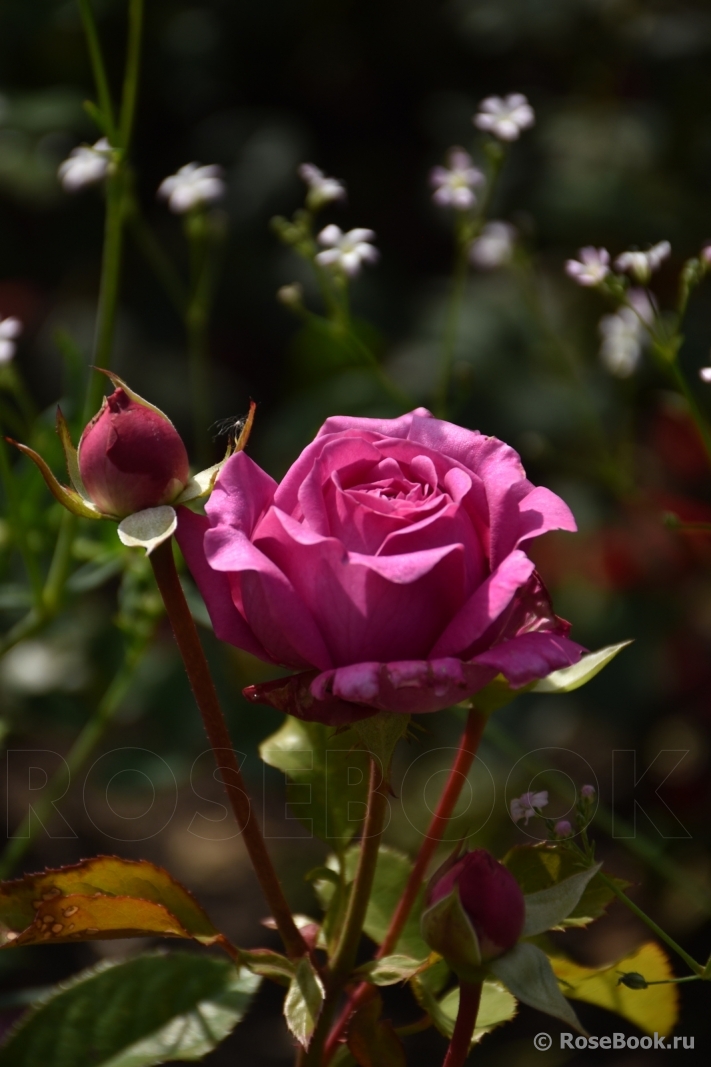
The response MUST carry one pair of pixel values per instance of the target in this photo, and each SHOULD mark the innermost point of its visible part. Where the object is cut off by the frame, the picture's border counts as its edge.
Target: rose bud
(131, 457)
(474, 911)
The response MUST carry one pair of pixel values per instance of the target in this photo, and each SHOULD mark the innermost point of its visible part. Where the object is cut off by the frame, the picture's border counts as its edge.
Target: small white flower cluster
(85, 165)
(192, 186)
(624, 334)
(346, 252)
(454, 185)
(10, 330)
(495, 246)
(640, 265)
(322, 189)
(593, 266)
(524, 807)
(505, 116)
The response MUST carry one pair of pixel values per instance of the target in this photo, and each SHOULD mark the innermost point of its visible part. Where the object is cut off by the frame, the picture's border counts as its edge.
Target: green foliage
(541, 866)
(497, 1006)
(372, 1040)
(391, 874)
(548, 908)
(148, 1010)
(303, 1001)
(330, 776)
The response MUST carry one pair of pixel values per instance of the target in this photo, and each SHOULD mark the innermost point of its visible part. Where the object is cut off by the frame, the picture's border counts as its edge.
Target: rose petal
(485, 605)
(214, 586)
(271, 605)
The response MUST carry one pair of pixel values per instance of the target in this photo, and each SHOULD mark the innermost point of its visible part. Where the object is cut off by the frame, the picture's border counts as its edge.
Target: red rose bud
(131, 457)
(474, 910)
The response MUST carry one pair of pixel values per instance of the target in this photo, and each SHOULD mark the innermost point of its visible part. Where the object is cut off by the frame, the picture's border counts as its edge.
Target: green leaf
(540, 866)
(392, 969)
(391, 874)
(497, 1006)
(654, 1008)
(330, 776)
(148, 1010)
(527, 973)
(104, 897)
(380, 734)
(269, 964)
(372, 1040)
(569, 678)
(547, 908)
(303, 1001)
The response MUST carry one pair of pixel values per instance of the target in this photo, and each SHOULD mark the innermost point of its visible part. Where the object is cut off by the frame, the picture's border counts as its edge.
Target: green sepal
(527, 973)
(446, 929)
(380, 734)
(68, 498)
(547, 908)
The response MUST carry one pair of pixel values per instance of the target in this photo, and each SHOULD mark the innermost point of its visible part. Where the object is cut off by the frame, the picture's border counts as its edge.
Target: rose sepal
(68, 498)
(202, 483)
(148, 528)
(526, 972)
(447, 929)
(547, 908)
(71, 456)
(119, 383)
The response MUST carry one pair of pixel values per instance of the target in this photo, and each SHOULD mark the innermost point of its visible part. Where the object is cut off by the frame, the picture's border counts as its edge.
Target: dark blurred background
(374, 93)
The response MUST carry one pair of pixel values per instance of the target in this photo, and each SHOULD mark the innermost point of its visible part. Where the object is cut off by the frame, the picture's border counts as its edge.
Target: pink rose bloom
(388, 568)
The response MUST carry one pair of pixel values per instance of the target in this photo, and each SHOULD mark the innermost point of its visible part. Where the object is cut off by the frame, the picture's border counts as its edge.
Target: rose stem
(469, 997)
(344, 956)
(468, 745)
(203, 688)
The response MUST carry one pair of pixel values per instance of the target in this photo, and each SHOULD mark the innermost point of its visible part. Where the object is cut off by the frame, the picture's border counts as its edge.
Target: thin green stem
(205, 694)
(696, 413)
(459, 1046)
(19, 526)
(153, 253)
(98, 67)
(344, 956)
(77, 756)
(697, 968)
(131, 75)
(451, 328)
(197, 315)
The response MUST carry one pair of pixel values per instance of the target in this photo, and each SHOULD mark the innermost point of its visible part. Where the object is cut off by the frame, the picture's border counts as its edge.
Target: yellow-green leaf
(655, 1009)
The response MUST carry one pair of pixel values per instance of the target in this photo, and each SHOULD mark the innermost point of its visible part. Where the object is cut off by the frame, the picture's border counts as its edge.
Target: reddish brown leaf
(372, 1041)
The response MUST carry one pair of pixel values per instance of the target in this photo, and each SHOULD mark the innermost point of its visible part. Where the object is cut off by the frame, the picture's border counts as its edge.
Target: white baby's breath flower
(192, 186)
(494, 247)
(454, 184)
(322, 189)
(523, 807)
(346, 251)
(642, 264)
(705, 374)
(10, 329)
(505, 117)
(624, 335)
(592, 267)
(85, 165)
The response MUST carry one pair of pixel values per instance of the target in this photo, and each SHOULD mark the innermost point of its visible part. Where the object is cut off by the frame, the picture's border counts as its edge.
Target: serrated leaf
(104, 897)
(497, 1006)
(372, 1040)
(540, 866)
(393, 969)
(527, 973)
(331, 768)
(549, 907)
(303, 1002)
(391, 874)
(653, 1009)
(570, 678)
(148, 1010)
(268, 964)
